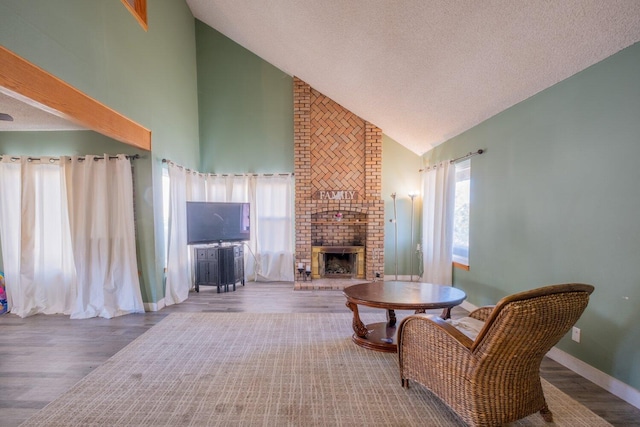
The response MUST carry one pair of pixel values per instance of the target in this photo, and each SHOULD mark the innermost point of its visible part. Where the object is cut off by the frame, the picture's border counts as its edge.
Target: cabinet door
(214, 271)
(239, 264)
(214, 277)
(226, 265)
(202, 272)
(201, 254)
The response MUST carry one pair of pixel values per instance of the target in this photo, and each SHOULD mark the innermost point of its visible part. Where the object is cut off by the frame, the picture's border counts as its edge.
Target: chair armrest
(429, 347)
(482, 313)
(454, 332)
(439, 327)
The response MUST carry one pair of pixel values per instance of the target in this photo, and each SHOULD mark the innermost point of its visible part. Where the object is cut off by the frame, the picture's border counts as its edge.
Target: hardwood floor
(43, 356)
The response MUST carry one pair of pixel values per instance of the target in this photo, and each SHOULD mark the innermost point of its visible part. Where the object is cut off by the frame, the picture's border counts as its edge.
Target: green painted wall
(400, 175)
(556, 199)
(62, 143)
(98, 47)
(245, 107)
(246, 125)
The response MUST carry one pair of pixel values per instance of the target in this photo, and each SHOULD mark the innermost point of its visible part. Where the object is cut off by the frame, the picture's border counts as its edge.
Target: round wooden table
(393, 295)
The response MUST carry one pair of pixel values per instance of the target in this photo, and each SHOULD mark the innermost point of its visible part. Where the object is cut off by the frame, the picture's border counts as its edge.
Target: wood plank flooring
(43, 356)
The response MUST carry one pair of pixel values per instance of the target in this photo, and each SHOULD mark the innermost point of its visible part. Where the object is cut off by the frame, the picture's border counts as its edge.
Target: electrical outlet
(575, 334)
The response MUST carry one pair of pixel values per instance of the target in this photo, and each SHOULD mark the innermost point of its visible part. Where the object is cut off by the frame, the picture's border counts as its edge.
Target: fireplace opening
(339, 265)
(334, 262)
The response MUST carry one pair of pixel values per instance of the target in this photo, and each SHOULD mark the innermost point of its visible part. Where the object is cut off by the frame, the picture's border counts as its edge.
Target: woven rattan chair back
(495, 378)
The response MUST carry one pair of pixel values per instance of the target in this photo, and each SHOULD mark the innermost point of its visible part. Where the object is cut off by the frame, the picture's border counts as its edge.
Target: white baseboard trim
(154, 306)
(606, 381)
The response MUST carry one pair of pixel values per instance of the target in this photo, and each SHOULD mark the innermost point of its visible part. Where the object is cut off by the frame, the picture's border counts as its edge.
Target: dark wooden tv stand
(220, 266)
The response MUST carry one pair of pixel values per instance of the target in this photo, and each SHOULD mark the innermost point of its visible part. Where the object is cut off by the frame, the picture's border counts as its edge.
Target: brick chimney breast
(338, 170)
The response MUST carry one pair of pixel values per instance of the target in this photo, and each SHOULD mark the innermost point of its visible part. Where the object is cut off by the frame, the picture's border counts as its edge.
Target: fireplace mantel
(339, 249)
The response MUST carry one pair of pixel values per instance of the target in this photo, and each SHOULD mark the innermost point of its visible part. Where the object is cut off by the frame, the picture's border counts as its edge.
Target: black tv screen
(217, 222)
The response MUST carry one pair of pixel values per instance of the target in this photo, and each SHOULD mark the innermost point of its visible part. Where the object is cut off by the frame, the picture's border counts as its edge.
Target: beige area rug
(240, 369)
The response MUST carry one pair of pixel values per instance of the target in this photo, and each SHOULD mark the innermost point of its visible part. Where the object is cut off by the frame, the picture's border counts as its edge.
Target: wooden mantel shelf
(326, 222)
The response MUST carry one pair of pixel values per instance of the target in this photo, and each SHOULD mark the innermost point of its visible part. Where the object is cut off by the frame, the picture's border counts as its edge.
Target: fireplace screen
(338, 265)
(337, 262)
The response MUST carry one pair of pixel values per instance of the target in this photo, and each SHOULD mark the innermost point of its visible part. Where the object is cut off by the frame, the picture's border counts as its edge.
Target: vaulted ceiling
(427, 70)
(422, 70)
(27, 117)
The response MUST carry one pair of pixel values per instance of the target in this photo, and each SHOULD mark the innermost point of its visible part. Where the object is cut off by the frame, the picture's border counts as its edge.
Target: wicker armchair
(495, 378)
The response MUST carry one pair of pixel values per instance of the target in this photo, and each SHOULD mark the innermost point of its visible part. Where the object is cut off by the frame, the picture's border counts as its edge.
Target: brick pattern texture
(336, 150)
(337, 146)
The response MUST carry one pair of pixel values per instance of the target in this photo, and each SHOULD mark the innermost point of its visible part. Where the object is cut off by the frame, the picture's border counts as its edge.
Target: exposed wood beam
(31, 84)
(138, 9)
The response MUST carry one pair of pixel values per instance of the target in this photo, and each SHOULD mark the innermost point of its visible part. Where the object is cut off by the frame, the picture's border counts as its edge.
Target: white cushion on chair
(467, 325)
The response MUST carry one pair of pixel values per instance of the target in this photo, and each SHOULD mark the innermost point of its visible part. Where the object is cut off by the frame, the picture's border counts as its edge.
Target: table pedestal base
(380, 336)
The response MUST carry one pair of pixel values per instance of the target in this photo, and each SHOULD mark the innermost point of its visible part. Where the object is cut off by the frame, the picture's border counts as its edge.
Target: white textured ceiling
(27, 116)
(427, 70)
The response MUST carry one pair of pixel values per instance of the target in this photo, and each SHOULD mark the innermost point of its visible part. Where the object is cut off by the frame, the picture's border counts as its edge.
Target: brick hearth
(338, 168)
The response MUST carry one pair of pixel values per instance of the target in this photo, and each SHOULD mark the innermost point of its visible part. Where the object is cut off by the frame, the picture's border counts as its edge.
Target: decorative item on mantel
(338, 215)
(336, 195)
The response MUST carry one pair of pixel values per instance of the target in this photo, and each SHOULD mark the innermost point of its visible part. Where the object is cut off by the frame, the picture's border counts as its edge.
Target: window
(461, 215)
(139, 10)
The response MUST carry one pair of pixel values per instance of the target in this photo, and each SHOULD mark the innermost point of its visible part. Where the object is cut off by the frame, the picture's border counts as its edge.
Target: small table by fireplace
(393, 296)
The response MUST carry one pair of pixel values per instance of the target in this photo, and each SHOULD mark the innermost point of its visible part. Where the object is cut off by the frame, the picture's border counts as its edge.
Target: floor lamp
(412, 196)
(395, 232)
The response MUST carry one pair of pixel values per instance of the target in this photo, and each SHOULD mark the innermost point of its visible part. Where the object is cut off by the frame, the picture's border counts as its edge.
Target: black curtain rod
(249, 174)
(53, 159)
(466, 156)
(231, 174)
(459, 159)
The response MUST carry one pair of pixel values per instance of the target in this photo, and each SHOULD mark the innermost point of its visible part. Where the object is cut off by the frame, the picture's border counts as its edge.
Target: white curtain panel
(437, 223)
(178, 281)
(237, 188)
(100, 194)
(196, 192)
(196, 187)
(252, 258)
(227, 188)
(272, 231)
(216, 188)
(68, 237)
(10, 229)
(36, 243)
(184, 186)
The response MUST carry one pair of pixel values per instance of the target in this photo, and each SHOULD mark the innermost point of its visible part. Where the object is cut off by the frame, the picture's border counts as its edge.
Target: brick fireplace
(338, 208)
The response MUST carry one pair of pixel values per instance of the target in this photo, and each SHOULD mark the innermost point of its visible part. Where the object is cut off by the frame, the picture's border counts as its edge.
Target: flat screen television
(217, 222)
